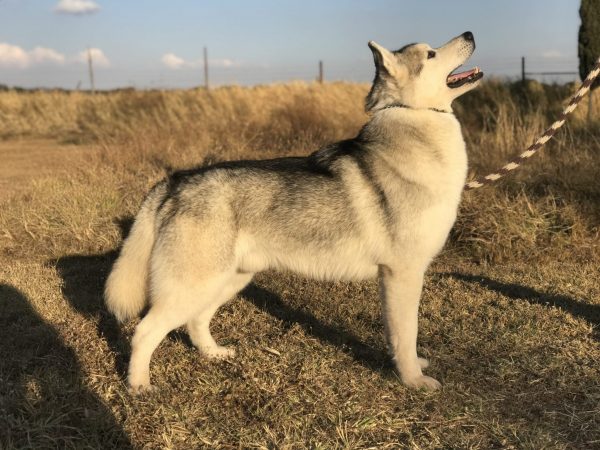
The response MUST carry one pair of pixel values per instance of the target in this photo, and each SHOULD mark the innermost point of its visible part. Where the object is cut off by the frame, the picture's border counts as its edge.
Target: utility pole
(320, 79)
(91, 68)
(206, 68)
(523, 69)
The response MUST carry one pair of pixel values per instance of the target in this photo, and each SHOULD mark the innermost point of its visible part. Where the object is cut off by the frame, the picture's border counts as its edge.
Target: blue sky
(158, 43)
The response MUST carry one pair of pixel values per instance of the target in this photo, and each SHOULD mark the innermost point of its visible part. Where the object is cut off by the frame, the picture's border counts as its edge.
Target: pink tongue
(459, 76)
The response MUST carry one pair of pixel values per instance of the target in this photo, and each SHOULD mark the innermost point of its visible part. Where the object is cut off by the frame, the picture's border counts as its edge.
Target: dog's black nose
(468, 35)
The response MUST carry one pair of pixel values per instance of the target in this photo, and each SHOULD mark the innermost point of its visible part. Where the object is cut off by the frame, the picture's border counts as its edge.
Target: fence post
(320, 79)
(523, 69)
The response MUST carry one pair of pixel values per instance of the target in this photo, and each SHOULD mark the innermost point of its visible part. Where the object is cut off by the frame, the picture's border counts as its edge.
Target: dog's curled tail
(126, 286)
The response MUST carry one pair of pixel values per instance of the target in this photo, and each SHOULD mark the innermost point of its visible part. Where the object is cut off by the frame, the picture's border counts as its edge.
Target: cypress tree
(589, 37)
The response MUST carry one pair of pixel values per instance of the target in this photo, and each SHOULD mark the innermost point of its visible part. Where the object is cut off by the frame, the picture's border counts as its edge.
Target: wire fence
(551, 69)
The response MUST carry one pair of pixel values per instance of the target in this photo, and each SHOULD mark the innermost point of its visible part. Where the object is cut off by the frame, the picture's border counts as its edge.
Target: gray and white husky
(380, 204)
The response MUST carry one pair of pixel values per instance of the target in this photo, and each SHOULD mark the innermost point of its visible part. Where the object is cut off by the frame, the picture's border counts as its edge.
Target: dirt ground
(24, 161)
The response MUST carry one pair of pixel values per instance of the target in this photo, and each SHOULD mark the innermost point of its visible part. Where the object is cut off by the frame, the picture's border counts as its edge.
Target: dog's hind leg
(176, 299)
(198, 327)
(148, 334)
(179, 292)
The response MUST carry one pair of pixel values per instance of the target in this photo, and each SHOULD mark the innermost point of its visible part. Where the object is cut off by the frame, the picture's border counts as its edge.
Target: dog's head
(419, 76)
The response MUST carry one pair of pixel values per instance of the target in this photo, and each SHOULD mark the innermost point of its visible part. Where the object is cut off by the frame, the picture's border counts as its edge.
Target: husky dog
(380, 204)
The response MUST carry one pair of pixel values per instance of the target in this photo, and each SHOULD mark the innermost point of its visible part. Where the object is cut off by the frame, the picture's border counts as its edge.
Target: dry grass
(510, 310)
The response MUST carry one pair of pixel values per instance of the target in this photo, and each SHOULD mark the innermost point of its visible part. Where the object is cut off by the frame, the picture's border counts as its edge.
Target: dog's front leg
(400, 291)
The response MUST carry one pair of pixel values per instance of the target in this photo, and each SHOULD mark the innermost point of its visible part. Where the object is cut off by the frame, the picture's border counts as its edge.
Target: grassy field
(510, 313)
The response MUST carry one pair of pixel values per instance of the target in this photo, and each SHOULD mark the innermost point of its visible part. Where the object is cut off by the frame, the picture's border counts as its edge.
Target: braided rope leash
(532, 149)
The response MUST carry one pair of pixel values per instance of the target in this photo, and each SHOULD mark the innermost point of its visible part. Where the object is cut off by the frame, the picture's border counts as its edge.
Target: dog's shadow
(577, 308)
(83, 284)
(84, 277)
(271, 303)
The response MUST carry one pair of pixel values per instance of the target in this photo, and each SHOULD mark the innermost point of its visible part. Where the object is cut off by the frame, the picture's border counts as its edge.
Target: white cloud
(173, 61)
(13, 56)
(222, 63)
(40, 55)
(77, 7)
(99, 59)
(551, 54)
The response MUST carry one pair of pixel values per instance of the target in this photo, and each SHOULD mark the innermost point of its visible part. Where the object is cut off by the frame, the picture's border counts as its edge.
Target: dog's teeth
(476, 70)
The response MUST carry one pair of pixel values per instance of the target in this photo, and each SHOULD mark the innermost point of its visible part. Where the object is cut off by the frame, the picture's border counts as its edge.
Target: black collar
(401, 105)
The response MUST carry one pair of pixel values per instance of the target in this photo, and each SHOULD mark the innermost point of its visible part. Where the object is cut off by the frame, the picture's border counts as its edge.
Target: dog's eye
(430, 54)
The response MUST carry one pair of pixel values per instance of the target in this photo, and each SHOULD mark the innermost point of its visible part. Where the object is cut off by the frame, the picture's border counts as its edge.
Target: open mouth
(456, 80)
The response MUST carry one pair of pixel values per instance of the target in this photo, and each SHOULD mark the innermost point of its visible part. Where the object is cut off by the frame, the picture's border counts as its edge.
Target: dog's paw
(424, 363)
(141, 389)
(423, 382)
(218, 352)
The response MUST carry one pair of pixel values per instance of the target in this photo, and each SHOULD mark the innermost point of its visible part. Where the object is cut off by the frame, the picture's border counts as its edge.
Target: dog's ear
(384, 59)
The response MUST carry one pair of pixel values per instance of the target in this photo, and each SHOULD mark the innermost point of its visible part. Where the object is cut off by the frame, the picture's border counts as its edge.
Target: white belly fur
(347, 261)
